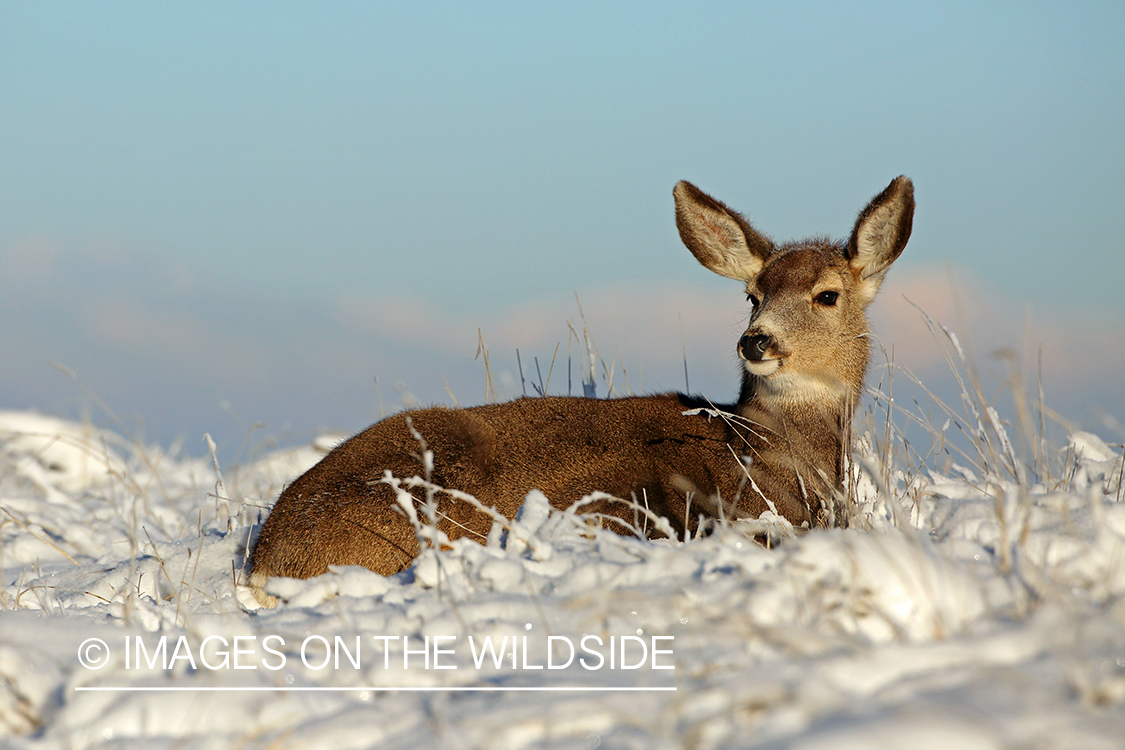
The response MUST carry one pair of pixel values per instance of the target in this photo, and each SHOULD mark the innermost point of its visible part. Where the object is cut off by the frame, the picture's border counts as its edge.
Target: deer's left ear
(881, 233)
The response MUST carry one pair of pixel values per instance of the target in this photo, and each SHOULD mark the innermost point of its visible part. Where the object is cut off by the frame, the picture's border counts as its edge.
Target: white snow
(964, 610)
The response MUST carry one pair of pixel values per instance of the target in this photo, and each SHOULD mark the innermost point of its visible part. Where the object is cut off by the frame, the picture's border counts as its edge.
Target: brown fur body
(641, 448)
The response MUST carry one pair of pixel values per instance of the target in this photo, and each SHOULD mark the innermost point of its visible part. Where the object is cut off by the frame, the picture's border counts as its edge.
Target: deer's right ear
(718, 237)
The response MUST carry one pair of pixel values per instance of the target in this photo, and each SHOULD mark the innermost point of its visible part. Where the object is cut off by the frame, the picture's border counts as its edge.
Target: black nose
(754, 347)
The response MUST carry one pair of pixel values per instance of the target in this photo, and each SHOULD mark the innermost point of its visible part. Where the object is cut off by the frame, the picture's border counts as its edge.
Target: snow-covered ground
(982, 606)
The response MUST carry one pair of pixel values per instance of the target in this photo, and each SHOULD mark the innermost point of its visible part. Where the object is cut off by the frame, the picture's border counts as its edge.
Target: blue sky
(217, 215)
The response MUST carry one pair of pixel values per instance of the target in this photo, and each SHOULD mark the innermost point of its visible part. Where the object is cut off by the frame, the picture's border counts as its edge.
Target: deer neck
(799, 442)
(814, 412)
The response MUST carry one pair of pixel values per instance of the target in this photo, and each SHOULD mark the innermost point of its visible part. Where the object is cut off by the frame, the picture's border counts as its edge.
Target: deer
(781, 448)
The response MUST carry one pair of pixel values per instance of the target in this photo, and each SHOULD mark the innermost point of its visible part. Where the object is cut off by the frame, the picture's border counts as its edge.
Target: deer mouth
(763, 368)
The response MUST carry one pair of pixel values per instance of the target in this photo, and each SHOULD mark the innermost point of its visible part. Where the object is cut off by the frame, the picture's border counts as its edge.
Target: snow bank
(988, 615)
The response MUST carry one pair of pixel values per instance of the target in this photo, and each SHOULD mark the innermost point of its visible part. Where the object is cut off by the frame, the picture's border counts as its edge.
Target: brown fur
(781, 444)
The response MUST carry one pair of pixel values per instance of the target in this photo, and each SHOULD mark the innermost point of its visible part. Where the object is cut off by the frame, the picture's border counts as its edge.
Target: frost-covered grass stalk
(1012, 472)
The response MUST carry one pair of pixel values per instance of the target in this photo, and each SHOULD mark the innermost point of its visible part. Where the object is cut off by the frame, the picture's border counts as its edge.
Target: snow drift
(962, 609)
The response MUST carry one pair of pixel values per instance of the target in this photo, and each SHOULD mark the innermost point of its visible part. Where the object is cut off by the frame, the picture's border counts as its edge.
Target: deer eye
(828, 299)
(752, 299)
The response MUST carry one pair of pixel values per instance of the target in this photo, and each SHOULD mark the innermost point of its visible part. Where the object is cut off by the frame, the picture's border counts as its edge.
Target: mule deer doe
(781, 447)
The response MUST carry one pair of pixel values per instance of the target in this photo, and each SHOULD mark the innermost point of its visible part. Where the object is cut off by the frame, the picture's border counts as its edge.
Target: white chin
(762, 368)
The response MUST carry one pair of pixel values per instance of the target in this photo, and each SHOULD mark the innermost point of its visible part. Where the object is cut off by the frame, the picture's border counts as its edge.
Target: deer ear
(881, 232)
(718, 237)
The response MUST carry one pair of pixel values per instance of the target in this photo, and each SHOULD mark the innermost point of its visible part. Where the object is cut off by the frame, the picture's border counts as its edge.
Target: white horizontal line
(592, 689)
